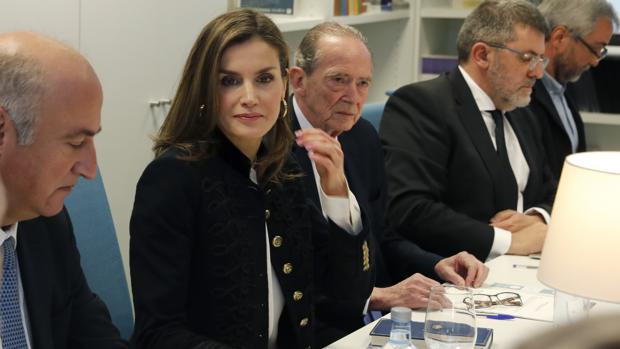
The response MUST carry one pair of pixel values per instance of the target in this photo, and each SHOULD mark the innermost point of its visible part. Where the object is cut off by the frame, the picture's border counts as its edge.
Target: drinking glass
(450, 318)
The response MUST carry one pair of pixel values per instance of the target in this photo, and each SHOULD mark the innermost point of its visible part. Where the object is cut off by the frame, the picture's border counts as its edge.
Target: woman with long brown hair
(225, 250)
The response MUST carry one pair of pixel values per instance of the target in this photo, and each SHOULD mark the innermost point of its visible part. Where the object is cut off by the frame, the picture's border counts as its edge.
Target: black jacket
(198, 256)
(555, 139)
(443, 172)
(393, 257)
(62, 310)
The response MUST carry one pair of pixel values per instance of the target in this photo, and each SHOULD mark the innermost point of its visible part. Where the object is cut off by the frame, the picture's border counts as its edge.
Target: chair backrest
(373, 112)
(100, 255)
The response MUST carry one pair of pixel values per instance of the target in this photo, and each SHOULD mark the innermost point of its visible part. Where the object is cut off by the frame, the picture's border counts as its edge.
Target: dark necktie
(507, 192)
(12, 327)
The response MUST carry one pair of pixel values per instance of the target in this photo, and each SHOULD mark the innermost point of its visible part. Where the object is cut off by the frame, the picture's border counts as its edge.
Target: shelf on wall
(295, 23)
(444, 12)
(373, 17)
(601, 118)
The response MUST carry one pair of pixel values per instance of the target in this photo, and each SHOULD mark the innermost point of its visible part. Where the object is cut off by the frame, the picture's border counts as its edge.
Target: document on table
(537, 303)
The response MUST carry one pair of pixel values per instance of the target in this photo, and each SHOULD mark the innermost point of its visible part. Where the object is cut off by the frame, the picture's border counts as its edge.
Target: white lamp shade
(581, 255)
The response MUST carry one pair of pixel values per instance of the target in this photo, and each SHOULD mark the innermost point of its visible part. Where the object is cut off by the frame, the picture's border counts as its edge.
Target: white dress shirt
(518, 162)
(11, 233)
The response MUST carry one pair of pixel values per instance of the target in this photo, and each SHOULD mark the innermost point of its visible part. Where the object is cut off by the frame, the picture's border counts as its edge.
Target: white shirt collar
(11, 232)
(303, 121)
(552, 84)
(483, 101)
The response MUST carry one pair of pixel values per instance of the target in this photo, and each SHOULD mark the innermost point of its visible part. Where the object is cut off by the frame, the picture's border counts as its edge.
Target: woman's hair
(191, 124)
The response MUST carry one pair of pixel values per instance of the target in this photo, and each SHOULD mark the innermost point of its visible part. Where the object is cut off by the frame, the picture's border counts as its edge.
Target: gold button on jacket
(276, 241)
(287, 268)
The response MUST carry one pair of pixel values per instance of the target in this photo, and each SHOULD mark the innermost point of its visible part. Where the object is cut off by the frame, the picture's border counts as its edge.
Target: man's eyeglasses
(600, 54)
(480, 300)
(531, 59)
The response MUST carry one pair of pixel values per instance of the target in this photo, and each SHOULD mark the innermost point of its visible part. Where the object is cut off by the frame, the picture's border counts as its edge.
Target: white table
(507, 333)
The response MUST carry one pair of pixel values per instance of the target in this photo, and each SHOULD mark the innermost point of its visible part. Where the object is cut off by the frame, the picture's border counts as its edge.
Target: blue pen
(500, 317)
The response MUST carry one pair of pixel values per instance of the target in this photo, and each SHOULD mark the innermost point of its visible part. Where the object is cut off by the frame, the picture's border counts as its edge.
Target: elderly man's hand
(462, 269)
(412, 292)
(328, 157)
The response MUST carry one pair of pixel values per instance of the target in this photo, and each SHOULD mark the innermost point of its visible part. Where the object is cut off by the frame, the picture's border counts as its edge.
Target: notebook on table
(381, 333)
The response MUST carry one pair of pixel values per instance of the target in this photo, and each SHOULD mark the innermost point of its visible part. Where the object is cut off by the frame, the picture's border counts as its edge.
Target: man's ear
(480, 55)
(559, 38)
(297, 78)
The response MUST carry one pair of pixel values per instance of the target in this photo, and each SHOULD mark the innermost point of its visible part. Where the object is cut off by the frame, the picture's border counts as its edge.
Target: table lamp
(580, 254)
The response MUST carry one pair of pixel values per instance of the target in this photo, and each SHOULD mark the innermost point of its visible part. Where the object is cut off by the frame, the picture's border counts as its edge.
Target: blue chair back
(100, 255)
(373, 112)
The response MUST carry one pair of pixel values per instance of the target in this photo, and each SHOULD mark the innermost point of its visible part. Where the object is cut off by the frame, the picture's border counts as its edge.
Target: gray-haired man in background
(580, 31)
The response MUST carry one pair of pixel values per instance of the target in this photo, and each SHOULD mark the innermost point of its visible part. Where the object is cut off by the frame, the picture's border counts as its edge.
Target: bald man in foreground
(50, 107)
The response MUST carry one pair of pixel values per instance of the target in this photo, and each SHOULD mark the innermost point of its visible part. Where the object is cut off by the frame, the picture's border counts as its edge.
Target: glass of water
(450, 318)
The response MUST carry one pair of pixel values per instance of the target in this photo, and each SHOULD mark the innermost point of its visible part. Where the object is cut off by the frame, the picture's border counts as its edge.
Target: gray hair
(307, 54)
(579, 16)
(494, 21)
(21, 90)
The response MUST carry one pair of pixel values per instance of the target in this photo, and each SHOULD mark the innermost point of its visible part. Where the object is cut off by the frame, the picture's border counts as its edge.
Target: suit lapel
(471, 118)
(523, 134)
(541, 94)
(348, 150)
(34, 260)
(304, 161)
(581, 146)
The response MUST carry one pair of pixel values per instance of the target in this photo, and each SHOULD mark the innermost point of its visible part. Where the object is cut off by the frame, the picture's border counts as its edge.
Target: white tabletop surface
(507, 333)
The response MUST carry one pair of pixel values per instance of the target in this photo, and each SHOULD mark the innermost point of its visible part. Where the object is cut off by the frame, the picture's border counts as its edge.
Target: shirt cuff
(501, 243)
(545, 215)
(345, 212)
(366, 306)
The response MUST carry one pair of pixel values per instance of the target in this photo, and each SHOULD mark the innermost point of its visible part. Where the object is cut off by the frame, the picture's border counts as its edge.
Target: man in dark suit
(462, 164)
(330, 85)
(50, 104)
(580, 30)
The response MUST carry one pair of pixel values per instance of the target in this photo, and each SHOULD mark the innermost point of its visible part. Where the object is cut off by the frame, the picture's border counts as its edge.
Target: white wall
(138, 49)
(57, 18)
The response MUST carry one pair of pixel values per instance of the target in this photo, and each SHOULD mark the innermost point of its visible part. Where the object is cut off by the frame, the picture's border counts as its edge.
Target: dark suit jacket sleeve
(91, 325)
(418, 131)
(343, 275)
(161, 243)
(402, 257)
(396, 258)
(63, 311)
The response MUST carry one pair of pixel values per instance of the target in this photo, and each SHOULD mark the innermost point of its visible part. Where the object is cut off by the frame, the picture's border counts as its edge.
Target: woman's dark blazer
(198, 255)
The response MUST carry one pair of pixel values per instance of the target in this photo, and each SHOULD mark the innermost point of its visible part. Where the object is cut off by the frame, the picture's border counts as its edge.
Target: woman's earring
(202, 108)
(285, 108)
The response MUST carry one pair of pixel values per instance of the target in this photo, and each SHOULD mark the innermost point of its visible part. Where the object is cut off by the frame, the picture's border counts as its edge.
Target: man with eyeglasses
(580, 31)
(465, 167)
